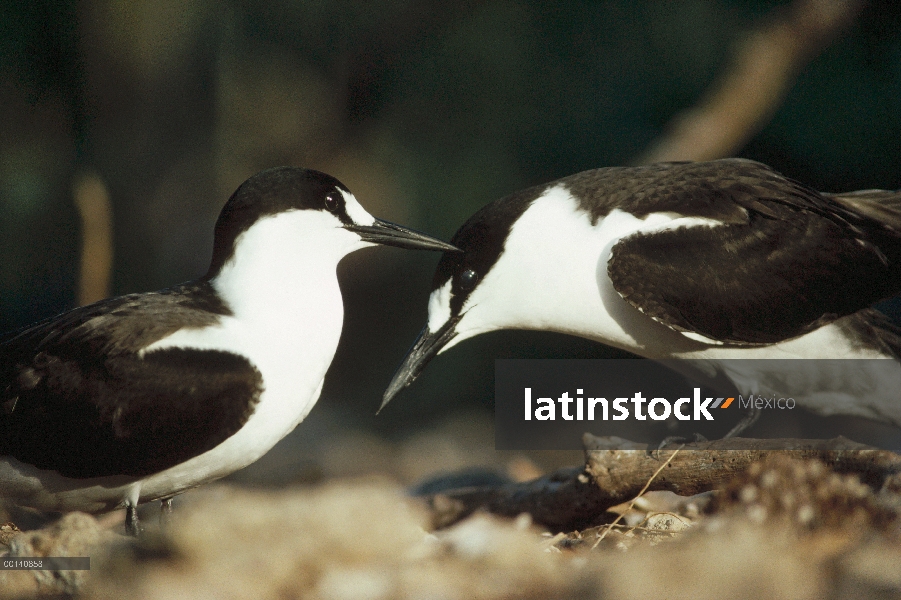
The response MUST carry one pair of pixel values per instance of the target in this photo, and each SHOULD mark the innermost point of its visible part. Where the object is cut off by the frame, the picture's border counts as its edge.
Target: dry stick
(619, 473)
(735, 108)
(635, 499)
(617, 470)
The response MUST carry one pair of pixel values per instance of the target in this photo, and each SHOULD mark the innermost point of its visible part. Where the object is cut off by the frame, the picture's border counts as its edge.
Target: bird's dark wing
(77, 398)
(787, 260)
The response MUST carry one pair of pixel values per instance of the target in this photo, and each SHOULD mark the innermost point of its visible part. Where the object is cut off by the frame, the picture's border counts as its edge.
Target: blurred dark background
(426, 110)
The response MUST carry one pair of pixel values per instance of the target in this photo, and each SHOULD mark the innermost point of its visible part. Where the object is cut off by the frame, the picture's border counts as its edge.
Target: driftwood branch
(617, 470)
(766, 63)
(622, 473)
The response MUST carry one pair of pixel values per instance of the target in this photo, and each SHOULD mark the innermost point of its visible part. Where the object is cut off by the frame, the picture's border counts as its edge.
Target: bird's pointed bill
(426, 347)
(391, 234)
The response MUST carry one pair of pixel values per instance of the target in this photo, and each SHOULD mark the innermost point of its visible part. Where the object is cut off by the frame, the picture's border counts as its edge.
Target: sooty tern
(711, 260)
(141, 397)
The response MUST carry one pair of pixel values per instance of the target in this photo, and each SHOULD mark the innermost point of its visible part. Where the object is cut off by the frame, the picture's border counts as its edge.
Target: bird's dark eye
(468, 280)
(332, 202)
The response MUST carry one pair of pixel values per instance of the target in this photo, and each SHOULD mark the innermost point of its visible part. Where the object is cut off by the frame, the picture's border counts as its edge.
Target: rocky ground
(783, 528)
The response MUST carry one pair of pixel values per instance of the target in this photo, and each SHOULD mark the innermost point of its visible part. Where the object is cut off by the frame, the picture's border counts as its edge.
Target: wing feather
(77, 397)
(800, 260)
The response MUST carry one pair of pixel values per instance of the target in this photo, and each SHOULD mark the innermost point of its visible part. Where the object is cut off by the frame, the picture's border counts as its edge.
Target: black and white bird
(141, 397)
(712, 260)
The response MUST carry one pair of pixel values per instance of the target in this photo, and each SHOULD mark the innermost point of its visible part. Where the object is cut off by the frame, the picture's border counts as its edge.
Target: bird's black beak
(424, 349)
(391, 234)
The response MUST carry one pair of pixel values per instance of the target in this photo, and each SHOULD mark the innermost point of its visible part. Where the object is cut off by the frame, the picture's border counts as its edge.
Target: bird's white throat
(283, 263)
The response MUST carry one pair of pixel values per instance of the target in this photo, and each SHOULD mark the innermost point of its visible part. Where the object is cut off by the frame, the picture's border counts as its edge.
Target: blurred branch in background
(744, 100)
(93, 203)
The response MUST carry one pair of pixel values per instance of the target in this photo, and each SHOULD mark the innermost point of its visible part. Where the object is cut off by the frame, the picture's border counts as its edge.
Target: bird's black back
(78, 398)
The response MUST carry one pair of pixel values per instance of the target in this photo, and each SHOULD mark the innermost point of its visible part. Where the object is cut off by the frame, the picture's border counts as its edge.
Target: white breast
(288, 314)
(293, 372)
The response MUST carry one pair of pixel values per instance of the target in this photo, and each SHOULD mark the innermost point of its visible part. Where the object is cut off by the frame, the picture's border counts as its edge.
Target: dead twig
(577, 497)
(621, 473)
(639, 495)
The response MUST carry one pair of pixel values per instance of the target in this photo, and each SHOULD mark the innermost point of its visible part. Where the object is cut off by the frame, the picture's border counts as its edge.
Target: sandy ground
(332, 518)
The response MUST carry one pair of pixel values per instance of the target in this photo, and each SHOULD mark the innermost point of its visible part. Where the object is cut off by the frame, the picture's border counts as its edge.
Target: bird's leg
(165, 513)
(132, 526)
(749, 419)
(674, 439)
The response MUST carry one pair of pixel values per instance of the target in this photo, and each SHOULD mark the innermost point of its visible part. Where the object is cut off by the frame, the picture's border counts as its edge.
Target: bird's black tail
(881, 206)
(874, 329)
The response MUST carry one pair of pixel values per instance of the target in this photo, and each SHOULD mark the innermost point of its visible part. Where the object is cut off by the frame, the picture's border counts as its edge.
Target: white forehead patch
(355, 211)
(439, 307)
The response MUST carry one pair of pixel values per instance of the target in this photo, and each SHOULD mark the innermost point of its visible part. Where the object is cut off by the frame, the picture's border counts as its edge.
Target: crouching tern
(713, 260)
(141, 397)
